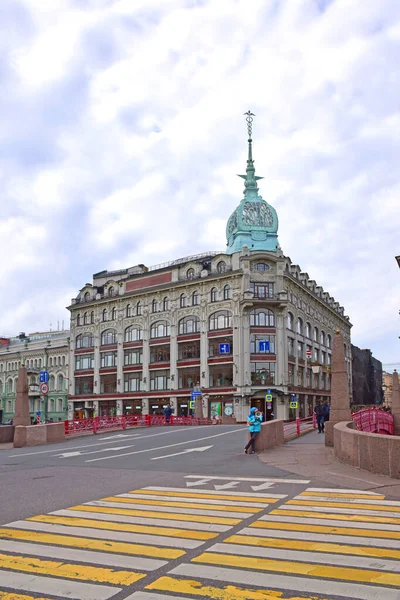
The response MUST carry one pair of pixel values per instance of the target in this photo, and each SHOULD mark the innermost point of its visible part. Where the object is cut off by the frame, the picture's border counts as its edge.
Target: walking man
(254, 422)
(320, 411)
(168, 413)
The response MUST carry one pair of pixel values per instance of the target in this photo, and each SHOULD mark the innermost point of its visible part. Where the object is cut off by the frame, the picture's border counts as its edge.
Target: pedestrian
(320, 411)
(254, 422)
(168, 413)
(327, 411)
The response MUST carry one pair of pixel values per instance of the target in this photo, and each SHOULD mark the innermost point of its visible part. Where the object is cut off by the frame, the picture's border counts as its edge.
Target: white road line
(330, 522)
(349, 500)
(133, 563)
(287, 582)
(224, 493)
(320, 537)
(104, 534)
(153, 596)
(342, 511)
(55, 586)
(272, 480)
(377, 564)
(172, 509)
(197, 500)
(209, 437)
(340, 491)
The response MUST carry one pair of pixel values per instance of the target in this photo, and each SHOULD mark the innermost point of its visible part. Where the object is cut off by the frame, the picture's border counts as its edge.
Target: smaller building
(367, 377)
(46, 350)
(387, 389)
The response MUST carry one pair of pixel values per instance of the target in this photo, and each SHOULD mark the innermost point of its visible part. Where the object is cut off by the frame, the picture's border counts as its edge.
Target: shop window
(159, 380)
(258, 346)
(187, 378)
(214, 347)
(190, 324)
(133, 382)
(262, 317)
(159, 354)
(221, 375)
(189, 350)
(262, 373)
(220, 320)
(133, 334)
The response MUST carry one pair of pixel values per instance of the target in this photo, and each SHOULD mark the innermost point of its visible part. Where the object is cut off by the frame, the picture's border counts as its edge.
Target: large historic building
(241, 324)
(38, 351)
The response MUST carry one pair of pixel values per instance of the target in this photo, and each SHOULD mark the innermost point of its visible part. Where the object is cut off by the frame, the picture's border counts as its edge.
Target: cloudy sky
(122, 130)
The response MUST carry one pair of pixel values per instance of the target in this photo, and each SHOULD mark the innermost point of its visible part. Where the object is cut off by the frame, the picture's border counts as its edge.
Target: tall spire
(250, 186)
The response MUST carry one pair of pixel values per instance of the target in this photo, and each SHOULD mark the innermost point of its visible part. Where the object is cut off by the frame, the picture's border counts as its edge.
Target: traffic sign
(268, 397)
(293, 404)
(191, 404)
(264, 346)
(269, 405)
(44, 377)
(44, 389)
(308, 353)
(38, 413)
(224, 348)
(194, 394)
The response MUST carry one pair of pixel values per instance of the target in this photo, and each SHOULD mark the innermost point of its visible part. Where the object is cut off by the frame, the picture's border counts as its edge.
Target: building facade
(240, 324)
(367, 377)
(387, 381)
(38, 351)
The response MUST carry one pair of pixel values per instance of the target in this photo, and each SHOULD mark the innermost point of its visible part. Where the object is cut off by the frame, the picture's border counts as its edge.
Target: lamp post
(398, 260)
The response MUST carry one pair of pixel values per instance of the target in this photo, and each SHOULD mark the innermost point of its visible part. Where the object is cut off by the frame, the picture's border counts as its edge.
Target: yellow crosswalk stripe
(167, 503)
(329, 547)
(376, 507)
(12, 596)
(91, 544)
(228, 592)
(340, 494)
(394, 535)
(335, 516)
(158, 515)
(185, 494)
(68, 571)
(290, 567)
(127, 527)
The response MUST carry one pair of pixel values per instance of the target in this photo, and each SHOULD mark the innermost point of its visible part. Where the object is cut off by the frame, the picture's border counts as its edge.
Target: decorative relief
(258, 214)
(232, 224)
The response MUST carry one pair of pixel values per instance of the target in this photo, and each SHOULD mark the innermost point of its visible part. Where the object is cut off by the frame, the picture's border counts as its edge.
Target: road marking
(295, 568)
(71, 454)
(171, 512)
(263, 486)
(56, 587)
(286, 582)
(208, 437)
(200, 482)
(344, 511)
(68, 571)
(90, 544)
(206, 509)
(303, 556)
(95, 558)
(341, 494)
(265, 479)
(187, 451)
(307, 525)
(314, 520)
(243, 496)
(354, 516)
(225, 486)
(12, 596)
(198, 500)
(151, 596)
(341, 491)
(316, 546)
(348, 503)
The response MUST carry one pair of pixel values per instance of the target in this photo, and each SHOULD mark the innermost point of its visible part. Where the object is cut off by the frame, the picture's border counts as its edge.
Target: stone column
(96, 371)
(340, 404)
(120, 363)
(22, 415)
(396, 402)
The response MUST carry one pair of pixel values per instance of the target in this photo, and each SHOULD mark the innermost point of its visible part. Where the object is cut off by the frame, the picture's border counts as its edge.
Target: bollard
(314, 420)
(298, 426)
(95, 424)
(123, 422)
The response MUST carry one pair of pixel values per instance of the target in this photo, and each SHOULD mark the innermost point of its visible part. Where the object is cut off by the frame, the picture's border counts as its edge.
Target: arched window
(165, 304)
(108, 337)
(78, 320)
(227, 292)
(59, 404)
(113, 314)
(1, 387)
(300, 326)
(322, 338)
(195, 299)
(51, 405)
(290, 321)
(213, 294)
(133, 334)
(329, 341)
(160, 329)
(190, 274)
(63, 361)
(138, 309)
(60, 383)
(262, 317)
(315, 334)
(154, 306)
(87, 297)
(308, 331)
(85, 340)
(52, 383)
(35, 364)
(221, 319)
(85, 319)
(189, 325)
(128, 311)
(104, 314)
(183, 301)
(40, 364)
(92, 317)
(261, 266)
(221, 266)
(111, 291)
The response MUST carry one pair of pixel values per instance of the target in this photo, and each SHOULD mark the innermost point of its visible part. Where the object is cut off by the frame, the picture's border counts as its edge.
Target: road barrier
(298, 427)
(98, 424)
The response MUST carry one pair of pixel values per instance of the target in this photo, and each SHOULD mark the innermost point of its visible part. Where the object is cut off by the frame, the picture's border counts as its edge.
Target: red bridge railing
(96, 424)
(297, 427)
(374, 420)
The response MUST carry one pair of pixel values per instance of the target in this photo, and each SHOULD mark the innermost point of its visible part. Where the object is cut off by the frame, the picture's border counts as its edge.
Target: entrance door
(259, 404)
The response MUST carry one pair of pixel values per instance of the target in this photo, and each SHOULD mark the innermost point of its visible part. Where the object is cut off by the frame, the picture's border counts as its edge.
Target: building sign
(264, 346)
(224, 348)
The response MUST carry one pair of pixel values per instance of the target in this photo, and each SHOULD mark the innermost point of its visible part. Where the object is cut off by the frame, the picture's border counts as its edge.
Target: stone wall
(271, 435)
(36, 435)
(6, 434)
(367, 451)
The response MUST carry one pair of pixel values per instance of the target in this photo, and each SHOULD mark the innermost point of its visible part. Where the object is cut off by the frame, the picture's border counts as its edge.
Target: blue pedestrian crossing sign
(264, 346)
(44, 377)
(224, 348)
(191, 404)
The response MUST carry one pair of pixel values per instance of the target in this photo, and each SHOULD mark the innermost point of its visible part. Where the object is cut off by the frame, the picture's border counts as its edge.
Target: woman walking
(254, 422)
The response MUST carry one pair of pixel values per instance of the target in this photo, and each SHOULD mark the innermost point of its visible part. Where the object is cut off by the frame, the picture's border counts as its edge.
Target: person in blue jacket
(254, 422)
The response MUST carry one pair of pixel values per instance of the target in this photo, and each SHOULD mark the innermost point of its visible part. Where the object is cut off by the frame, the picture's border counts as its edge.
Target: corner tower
(254, 223)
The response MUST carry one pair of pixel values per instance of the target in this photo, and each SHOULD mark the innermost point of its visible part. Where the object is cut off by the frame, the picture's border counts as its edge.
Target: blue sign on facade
(38, 413)
(264, 346)
(224, 348)
(194, 394)
(44, 377)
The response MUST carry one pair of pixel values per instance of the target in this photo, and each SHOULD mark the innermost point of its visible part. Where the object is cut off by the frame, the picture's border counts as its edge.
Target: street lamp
(398, 260)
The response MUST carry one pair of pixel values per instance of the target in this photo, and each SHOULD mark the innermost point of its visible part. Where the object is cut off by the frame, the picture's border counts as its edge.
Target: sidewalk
(309, 457)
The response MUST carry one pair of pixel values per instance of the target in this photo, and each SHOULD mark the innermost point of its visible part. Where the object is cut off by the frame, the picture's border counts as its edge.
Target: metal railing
(97, 424)
(298, 427)
(374, 420)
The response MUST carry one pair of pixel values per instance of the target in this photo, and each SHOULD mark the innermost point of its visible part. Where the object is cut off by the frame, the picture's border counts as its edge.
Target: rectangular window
(83, 385)
(316, 354)
(262, 290)
(159, 380)
(215, 347)
(187, 378)
(300, 376)
(108, 384)
(159, 354)
(189, 351)
(262, 373)
(108, 359)
(133, 382)
(133, 357)
(329, 359)
(221, 375)
(84, 361)
(257, 346)
(291, 347)
(291, 374)
(323, 358)
(300, 349)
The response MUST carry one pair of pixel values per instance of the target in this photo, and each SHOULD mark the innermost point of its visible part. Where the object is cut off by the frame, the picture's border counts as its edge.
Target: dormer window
(111, 291)
(87, 297)
(190, 274)
(221, 267)
(261, 266)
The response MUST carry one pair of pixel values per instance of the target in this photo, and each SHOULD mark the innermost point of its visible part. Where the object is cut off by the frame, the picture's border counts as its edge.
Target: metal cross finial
(249, 118)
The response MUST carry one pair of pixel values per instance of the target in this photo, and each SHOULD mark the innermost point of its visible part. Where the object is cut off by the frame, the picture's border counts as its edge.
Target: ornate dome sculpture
(254, 223)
